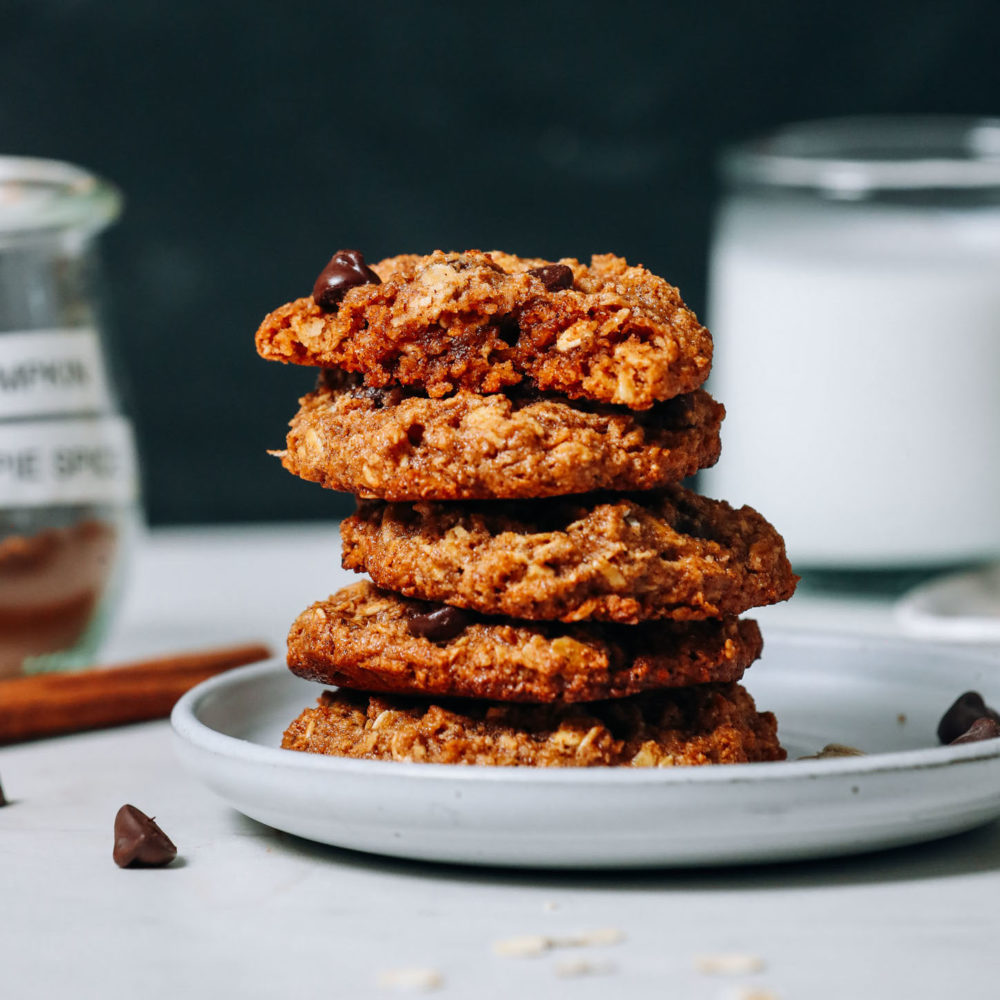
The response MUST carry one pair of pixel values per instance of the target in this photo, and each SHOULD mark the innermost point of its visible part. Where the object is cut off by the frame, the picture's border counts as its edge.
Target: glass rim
(848, 157)
(39, 197)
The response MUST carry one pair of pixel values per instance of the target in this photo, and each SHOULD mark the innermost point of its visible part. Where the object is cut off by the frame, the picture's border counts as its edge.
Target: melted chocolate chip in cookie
(439, 625)
(508, 330)
(346, 270)
(553, 276)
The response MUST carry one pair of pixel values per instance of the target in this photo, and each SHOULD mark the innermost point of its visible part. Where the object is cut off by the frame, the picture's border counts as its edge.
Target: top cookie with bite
(608, 332)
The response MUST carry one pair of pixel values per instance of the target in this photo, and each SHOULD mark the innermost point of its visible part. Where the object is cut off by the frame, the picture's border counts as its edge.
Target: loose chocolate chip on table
(3, 801)
(139, 842)
(440, 624)
(966, 709)
(346, 270)
(982, 729)
(553, 276)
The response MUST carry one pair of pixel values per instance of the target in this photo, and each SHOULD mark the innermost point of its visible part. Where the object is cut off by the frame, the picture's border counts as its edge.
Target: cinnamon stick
(49, 704)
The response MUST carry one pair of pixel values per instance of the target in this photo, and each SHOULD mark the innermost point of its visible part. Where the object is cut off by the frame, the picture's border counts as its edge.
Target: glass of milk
(855, 304)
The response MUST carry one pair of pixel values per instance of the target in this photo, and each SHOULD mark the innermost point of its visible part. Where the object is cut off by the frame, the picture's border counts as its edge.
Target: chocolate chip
(508, 330)
(346, 270)
(963, 713)
(440, 624)
(378, 396)
(554, 277)
(3, 801)
(985, 728)
(139, 842)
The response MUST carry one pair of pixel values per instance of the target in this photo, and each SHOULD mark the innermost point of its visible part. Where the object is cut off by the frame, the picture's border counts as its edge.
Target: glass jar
(855, 304)
(68, 479)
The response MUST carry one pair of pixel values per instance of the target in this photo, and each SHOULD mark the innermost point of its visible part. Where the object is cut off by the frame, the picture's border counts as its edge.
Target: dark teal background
(252, 140)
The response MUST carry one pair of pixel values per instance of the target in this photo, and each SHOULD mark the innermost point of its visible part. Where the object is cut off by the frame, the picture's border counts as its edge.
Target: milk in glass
(855, 305)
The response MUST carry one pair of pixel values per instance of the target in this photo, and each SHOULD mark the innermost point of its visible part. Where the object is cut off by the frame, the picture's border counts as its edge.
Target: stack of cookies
(545, 592)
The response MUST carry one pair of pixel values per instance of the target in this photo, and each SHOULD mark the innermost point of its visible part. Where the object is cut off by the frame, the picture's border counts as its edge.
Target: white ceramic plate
(881, 696)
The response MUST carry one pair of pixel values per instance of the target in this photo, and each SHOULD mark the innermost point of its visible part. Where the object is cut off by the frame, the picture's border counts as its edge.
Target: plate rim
(191, 730)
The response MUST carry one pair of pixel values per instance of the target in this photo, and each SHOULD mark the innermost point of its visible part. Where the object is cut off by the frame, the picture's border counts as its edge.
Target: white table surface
(248, 912)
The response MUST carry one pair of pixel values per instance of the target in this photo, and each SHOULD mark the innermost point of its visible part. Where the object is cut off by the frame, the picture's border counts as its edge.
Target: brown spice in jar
(50, 584)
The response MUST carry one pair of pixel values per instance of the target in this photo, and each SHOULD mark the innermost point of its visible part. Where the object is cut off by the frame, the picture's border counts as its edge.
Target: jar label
(52, 372)
(67, 461)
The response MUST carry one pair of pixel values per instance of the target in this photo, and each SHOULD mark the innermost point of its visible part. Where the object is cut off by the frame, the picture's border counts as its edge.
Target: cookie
(709, 724)
(365, 638)
(384, 443)
(483, 322)
(670, 554)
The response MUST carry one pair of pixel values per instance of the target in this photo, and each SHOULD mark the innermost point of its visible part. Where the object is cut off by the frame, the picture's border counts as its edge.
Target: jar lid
(38, 197)
(852, 157)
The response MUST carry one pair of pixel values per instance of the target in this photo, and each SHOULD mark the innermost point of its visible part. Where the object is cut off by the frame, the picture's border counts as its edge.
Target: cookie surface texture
(382, 443)
(484, 322)
(365, 638)
(709, 724)
(670, 554)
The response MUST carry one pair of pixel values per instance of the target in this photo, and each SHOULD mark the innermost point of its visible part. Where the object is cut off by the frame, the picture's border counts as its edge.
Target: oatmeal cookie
(384, 443)
(482, 322)
(669, 554)
(365, 638)
(708, 724)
